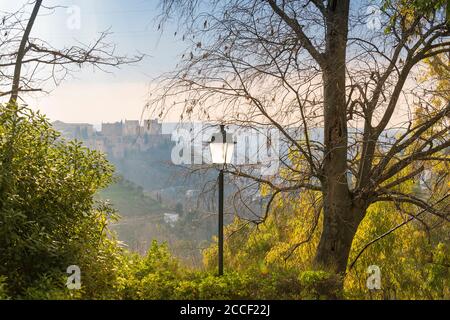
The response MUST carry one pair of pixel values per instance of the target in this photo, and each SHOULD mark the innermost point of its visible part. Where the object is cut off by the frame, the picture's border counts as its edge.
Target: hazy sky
(95, 96)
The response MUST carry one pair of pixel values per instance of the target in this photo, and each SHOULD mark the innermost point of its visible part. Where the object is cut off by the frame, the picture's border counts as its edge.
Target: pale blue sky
(95, 96)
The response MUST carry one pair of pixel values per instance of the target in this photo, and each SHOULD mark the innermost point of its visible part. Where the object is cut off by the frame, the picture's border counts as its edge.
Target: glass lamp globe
(221, 151)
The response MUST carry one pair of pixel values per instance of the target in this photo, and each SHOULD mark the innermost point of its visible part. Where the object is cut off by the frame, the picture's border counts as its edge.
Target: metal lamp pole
(220, 224)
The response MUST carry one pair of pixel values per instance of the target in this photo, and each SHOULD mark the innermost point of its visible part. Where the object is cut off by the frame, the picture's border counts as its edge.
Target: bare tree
(27, 63)
(340, 88)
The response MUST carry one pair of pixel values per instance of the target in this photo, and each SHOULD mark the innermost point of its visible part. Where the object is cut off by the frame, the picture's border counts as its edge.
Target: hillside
(142, 221)
(130, 200)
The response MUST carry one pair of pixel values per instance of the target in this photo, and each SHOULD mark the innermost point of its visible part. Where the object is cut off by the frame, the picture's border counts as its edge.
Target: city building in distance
(118, 138)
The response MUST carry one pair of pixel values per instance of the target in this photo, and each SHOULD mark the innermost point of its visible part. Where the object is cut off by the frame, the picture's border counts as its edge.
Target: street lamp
(221, 148)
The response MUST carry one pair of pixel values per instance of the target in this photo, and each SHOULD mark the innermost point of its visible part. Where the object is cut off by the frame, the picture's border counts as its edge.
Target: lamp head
(221, 147)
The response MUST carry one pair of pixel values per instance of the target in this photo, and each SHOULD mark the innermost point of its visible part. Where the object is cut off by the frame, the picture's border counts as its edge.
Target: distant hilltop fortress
(116, 139)
(122, 128)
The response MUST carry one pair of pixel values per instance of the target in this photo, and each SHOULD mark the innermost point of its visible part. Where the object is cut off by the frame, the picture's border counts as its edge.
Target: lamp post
(221, 148)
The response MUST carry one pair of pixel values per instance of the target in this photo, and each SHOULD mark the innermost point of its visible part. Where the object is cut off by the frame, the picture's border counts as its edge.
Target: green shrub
(159, 276)
(48, 287)
(49, 219)
(3, 294)
(319, 285)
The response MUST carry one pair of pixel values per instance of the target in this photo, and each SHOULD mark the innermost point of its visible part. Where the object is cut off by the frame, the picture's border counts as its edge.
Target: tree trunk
(341, 216)
(21, 53)
(339, 228)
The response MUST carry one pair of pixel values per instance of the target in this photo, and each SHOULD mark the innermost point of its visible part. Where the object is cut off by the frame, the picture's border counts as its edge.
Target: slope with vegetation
(311, 245)
(50, 219)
